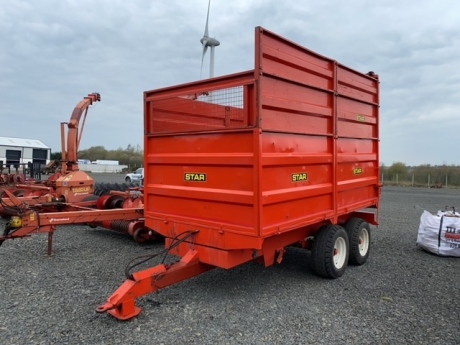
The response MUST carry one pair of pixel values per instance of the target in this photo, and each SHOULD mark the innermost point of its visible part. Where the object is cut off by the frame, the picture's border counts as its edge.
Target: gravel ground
(402, 295)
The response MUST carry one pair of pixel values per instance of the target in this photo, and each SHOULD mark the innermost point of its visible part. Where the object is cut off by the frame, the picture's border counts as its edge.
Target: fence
(415, 180)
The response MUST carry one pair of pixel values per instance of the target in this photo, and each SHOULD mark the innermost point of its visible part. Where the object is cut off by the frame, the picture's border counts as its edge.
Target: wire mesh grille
(214, 110)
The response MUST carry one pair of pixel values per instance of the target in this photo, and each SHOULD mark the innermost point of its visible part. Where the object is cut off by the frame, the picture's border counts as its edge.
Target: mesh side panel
(216, 110)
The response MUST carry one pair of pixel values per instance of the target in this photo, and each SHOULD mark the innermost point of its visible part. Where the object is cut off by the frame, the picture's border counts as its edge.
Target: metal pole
(446, 181)
(211, 65)
(428, 180)
(397, 179)
(412, 180)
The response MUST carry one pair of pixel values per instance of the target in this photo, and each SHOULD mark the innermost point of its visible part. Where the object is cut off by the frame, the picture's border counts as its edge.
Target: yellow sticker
(299, 177)
(360, 118)
(357, 171)
(194, 177)
(81, 189)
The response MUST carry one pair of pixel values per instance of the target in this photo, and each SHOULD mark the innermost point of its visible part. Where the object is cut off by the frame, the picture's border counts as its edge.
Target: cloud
(54, 52)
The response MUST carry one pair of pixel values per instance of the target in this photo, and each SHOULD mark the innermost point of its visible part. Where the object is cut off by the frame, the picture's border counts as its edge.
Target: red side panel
(320, 136)
(206, 177)
(358, 140)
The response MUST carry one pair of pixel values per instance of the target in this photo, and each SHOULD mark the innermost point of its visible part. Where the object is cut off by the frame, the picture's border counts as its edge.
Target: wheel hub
(340, 252)
(363, 242)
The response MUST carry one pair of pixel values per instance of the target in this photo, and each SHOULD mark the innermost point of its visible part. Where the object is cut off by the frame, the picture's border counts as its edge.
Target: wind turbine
(207, 41)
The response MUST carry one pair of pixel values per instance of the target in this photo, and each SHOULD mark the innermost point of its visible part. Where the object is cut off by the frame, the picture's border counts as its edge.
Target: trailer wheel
(359, 235)
(329, 252)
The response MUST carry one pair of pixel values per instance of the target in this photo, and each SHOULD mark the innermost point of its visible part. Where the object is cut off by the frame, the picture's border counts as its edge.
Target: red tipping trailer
(241, 166)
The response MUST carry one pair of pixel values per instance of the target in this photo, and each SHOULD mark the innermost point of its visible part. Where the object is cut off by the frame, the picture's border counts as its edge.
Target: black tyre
(99, 188)
(329, 252)
(359, 235)
(125, 186)
(91, 198)
(104, 189)
(96, 189)
(117, 187)
(127, 179)
(141, 235)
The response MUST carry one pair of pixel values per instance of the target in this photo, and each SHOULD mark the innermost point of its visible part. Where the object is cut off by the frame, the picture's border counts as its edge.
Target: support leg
(50, 242)
(121, 304)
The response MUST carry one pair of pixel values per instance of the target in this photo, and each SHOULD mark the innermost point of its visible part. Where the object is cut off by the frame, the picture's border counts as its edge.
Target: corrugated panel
(324, 122)
(279, 57)
(220, 109)
(202, 178)
(200, 106)
(21, 142)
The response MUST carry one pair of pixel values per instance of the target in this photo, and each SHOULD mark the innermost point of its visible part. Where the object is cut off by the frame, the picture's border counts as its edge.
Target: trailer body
(261, 159)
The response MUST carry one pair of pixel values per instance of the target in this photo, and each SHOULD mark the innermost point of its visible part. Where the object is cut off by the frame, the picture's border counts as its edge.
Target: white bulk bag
(440, 233)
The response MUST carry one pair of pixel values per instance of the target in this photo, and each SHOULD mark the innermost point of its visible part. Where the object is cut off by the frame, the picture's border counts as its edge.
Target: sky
(55, 52)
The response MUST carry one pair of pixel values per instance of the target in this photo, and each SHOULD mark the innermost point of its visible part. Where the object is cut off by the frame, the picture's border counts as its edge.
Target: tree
(93, 153)
(397, 170)
(56, 156)
(132, 156)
